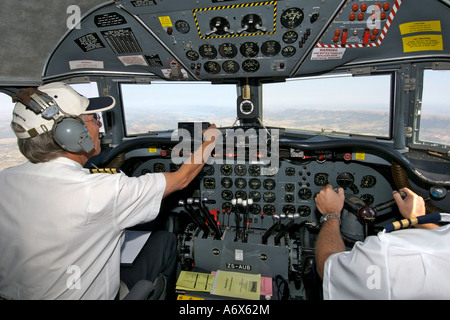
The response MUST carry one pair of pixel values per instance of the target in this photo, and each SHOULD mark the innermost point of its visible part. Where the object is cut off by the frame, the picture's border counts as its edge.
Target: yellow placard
(195, 281)
(165, 21)
(425, 42)
(152, 150)
(360, 156)
(420, 26)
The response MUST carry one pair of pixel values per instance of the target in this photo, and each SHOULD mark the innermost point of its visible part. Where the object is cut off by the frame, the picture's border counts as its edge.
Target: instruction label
(327, 53)
(420, 26)
(423, 43)
(165, 21)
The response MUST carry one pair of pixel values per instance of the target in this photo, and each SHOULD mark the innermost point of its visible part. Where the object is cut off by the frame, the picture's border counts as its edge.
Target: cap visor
(100, 104)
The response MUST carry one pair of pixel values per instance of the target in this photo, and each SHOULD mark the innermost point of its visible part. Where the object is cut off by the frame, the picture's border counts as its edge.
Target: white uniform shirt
(404, 264)
(61, 228)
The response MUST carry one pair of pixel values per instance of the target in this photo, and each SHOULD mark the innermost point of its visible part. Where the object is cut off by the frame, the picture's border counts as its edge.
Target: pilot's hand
(330, 201)
(211, 133)
(410, 207)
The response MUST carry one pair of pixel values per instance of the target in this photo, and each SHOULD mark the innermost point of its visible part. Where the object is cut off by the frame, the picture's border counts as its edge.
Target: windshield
(333, 104)
(161, 105)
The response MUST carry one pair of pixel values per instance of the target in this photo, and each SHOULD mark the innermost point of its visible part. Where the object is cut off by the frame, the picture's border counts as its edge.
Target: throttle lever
(368, 214)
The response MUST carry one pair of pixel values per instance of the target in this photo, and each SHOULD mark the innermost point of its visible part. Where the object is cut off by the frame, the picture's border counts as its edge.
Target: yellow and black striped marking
(405, 223)
(235, 6)
(105, 170)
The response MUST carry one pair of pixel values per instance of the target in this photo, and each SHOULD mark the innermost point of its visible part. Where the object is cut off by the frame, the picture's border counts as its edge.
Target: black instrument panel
(286, 190)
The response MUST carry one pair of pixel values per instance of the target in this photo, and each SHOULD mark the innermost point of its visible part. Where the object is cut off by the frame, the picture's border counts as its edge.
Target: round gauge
(249, 49)
(226, 207)
(304, 211)
(226, 182)
(290, 171)
(228, 50)
(269, 184)
(289, 187)
(254, 183)
(182, 26)
(289, 198)
(345, 180)
(290, 37)
(368, 199)
(289, 209)
(255, 195)
(269, 196)
(192, 55)
(292, 17)
(288, 51)
(209, 183)
(254, 170)
(241, 195)
(269, 209)
(305, 194)
(240, 183)
(208, 51)
(159, 167)
(230, 66)
(321, 179)
(368, 181)
(227, 195)
(270, 48)
(212, 67)
(250, 65)
(255, 209)
(240, 170)
(226, 170)
(208, 170)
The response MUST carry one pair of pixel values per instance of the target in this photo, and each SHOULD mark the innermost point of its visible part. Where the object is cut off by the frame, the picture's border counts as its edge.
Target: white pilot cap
(68, 101)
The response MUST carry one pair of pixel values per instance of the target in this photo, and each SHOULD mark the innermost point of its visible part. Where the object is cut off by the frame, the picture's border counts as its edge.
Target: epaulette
(105, 170)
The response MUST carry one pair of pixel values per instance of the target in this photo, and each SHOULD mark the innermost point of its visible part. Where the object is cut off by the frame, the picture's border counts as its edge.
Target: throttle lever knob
(367, 214)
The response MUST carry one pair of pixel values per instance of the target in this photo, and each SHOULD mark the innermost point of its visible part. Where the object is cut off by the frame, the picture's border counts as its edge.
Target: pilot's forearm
(190, 169)
(328, 242)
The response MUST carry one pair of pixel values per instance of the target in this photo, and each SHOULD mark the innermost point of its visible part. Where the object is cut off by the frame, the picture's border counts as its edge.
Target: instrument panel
(235, 39)
(285, 191)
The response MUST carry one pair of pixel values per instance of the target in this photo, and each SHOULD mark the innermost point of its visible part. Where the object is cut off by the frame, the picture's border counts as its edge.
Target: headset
(69, 131)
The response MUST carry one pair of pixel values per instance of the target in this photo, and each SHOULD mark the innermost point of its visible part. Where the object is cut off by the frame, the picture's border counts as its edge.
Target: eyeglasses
(97, 119)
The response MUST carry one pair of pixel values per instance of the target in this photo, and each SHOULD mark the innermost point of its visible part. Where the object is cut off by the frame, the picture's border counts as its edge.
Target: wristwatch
(327, 216)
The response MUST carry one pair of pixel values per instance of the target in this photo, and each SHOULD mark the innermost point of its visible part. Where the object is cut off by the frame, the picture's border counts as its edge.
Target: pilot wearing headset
(61, 227)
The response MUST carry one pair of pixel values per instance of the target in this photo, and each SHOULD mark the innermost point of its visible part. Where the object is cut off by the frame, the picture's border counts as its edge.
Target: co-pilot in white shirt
(405, 264)
(61, 228)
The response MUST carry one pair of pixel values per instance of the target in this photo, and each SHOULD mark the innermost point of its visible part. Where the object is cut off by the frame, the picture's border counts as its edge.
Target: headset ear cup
(72, 135)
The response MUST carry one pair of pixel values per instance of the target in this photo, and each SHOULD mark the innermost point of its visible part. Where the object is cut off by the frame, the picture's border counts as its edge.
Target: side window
(435, 110)
(11, 155)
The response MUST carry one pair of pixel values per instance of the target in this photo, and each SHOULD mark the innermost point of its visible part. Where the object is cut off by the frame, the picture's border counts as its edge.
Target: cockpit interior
(352, 93)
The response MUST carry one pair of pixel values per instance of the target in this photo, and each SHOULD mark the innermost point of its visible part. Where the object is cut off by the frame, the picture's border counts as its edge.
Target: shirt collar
(67, 161)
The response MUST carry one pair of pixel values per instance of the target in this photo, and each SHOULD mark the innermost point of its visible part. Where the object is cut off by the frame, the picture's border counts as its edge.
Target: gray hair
(41, 148)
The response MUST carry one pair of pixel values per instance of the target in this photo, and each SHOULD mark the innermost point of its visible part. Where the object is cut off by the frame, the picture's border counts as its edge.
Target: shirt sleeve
(127, 201)
(139, 199)
(357, 274)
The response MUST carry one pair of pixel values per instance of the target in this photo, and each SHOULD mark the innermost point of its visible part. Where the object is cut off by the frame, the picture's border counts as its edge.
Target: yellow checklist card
(237, 285)
(195, 281)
